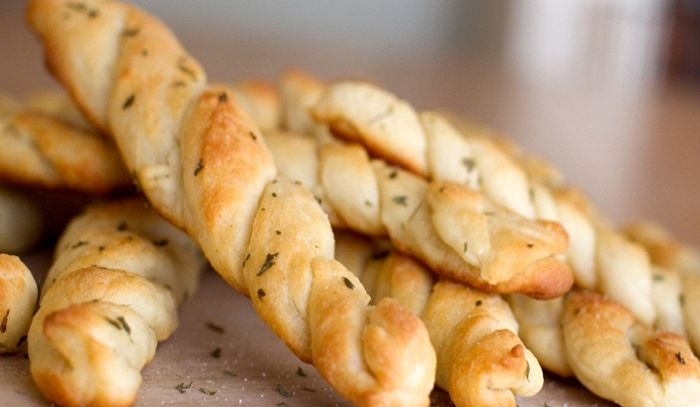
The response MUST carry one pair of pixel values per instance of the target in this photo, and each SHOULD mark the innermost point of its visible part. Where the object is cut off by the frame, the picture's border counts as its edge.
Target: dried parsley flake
(348, 283)
(400, 200)
(215, 327)
(269, 262)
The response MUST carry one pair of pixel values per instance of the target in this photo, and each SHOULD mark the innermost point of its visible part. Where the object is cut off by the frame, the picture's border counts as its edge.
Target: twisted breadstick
(44, 145)
(260, 101)
(481, 361)
(109, 297)
(620, 359)
(203, 164)
(456, 231)
(18, 294)
(432, 147)
(59, 105)
(676, 279)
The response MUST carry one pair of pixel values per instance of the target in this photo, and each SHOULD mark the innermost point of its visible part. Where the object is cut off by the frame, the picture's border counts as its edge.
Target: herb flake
(131, 32)
(300, 372)
(21, 340)
(282, 391)
(198, 167)
(3, 325)
(261, 294)
(216, 353)
(400, 200)
(527, 370)
(124, 325)
(128, 102)
(269, 262)
(207, 391)
(187, 71)
(78, 244)
(182, 387)
(215, 327)
(114, 323)
(469, 163)
(348, 283)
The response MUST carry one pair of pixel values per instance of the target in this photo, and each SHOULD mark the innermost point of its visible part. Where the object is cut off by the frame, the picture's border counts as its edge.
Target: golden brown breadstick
(676, 279)
(625, 361)
(18, 293)
(45, 144)
(110, 296)
(481, 361)
(203, 164)
(455, 230)
(429, 145)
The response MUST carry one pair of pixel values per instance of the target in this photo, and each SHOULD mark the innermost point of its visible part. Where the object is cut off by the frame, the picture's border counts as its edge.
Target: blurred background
(607, 90)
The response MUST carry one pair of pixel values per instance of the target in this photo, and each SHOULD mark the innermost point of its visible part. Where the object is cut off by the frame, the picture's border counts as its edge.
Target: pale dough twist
(45, 144)
(676, 279)
(203, 165)
(620, 359)
(481, 360)
(18, 294)
(457, 231)
(109, 297)
(433, 147)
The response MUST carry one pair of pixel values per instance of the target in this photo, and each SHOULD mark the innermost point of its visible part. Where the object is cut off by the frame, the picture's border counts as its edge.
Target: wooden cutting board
(254, 368)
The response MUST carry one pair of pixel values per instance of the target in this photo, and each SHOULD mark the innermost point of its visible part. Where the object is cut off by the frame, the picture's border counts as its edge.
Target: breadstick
(676, 279)
(457, 231)
(481, 361)
(18, 293)
(429, 145)
(203, 164)
(44, 145)
(625, 361)
(260, 101)
(109, 297)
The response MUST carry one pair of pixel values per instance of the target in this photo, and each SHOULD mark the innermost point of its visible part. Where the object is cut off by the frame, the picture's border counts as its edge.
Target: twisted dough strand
(481, 360)
(44, 145)
(18, 293)
(620, 359)
(203, 164)
(599, 257)
(109, 297)
(676, 279)
(457, 231)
